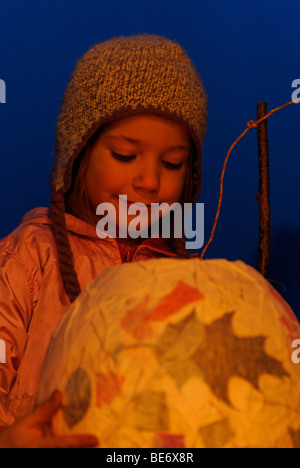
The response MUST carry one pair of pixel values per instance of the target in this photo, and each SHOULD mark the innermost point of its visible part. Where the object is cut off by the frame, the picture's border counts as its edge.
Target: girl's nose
(147, 178)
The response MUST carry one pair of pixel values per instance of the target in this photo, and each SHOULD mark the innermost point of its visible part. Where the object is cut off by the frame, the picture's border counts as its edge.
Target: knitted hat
(124, 76)
(120, 77)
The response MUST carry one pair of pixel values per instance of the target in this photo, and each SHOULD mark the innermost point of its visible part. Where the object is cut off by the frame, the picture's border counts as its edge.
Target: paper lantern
(177, 353)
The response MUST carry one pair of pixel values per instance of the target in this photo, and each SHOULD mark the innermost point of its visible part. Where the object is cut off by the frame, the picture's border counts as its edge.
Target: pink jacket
(33, 299)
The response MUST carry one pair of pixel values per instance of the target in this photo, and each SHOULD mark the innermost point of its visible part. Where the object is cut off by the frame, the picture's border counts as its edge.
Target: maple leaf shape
(228, 355)
(219, 354)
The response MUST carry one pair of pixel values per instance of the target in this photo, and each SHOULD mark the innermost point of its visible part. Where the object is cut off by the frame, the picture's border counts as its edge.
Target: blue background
(246, 52)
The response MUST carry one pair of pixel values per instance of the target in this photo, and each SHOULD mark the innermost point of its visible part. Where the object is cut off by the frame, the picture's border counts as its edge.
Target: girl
(132, 123)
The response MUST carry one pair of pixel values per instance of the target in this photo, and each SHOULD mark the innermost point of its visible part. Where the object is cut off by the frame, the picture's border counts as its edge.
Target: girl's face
(142, 156)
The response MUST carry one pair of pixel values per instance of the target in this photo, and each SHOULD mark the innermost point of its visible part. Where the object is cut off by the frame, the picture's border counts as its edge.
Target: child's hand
(29, 432)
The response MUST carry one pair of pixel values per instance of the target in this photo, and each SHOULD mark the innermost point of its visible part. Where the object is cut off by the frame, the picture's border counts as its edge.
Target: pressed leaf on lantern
(215, 353)
(151, 411)
(108, 387)
(217, 434)
(136, 320)
(165, 440)
(295, 436)
(77, 397)
(180, 296)
(177, 345)
(222, 354)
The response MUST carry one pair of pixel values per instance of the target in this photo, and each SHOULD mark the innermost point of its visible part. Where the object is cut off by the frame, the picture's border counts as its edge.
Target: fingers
(29, 432)
(44, 413)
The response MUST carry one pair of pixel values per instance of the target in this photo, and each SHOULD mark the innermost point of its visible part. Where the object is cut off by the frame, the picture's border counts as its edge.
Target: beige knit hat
(124, 76)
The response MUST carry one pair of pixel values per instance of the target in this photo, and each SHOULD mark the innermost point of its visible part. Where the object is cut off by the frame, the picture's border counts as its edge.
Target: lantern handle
(250, 124)
(263, 196)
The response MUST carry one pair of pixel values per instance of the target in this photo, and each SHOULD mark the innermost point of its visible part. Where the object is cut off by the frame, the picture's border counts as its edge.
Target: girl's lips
(134, 203)
(139, 203)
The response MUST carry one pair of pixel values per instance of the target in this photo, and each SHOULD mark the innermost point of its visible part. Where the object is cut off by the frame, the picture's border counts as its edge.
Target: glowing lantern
(177, 353)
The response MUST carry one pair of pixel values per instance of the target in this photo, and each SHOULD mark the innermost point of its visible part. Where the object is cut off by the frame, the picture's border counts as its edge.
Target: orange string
(250, 124)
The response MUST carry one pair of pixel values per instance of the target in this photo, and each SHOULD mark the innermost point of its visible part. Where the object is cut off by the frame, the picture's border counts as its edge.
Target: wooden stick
(264, 192)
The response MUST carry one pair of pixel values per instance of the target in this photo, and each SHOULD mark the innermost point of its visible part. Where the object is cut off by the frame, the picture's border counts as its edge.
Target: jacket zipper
(129, 256)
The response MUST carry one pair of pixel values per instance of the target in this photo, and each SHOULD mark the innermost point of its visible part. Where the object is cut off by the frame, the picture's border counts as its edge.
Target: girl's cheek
(178, 184)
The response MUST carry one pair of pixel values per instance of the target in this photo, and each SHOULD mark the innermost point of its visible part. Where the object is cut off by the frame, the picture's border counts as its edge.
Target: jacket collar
(77, 226)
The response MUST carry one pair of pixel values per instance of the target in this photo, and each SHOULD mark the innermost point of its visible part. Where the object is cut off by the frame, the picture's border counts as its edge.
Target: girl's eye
(122, 158)
(172, 166)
